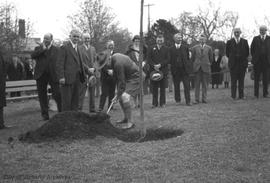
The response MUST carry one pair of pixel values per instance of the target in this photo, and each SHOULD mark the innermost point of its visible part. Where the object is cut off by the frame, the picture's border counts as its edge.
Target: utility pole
(149, 5)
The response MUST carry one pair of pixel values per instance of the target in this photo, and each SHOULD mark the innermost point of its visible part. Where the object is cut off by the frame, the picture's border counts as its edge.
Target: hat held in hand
(156, 75)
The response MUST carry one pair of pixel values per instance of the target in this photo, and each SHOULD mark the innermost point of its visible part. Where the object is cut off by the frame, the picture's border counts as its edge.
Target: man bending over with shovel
(126, 73)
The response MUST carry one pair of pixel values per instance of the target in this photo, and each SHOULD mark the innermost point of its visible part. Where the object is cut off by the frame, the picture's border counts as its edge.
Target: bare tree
(187, 25)
(95, 18)
(213, 20)
(10, 39)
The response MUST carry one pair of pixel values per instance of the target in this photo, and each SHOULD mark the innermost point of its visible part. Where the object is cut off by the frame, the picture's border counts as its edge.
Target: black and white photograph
(134, 91)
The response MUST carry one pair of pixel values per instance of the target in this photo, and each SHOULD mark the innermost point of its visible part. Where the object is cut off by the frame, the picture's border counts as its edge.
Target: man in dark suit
(202, 57)
(108, 82)
(70, 72)
(181, 67)
(89, 59)
(260, 52)
(46, 56)
(237, 50)
(158, 58)
(2, 91)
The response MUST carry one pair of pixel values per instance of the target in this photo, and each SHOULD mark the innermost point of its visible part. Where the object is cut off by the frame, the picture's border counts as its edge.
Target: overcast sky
(51, 15)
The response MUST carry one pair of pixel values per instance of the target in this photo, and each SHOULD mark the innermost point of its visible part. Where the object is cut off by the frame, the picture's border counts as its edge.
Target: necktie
(262, 38)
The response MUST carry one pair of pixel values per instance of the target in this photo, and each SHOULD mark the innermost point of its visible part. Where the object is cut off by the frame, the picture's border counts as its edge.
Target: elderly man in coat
(202, 57)
(2, 91)
(237, 50)
(128, 83)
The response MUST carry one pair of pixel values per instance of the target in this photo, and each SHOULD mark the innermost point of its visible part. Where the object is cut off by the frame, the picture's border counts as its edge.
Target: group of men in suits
(178, 56)
(199, 63)
(66, 69)
(237, 50)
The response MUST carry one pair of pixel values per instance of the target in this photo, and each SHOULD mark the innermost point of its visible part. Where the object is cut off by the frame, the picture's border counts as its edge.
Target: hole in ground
(151, 135)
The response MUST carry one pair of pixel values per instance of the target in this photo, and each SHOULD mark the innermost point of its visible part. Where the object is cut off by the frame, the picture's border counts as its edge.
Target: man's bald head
(263, 30)
(47, 39)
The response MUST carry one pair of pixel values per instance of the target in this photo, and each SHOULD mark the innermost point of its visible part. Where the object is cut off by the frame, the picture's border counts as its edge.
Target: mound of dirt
(79, 125)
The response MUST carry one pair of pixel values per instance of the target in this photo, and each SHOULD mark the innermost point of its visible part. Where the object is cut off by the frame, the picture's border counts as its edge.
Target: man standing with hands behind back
(260, 51)
(202, 57)
(46, 56)
(237, 50)
(158, 58)
(70, 72)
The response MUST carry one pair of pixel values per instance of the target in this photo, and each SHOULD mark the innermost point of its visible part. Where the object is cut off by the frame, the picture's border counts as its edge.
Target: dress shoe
(93, 111)
(122, 121)
(204, 102)
(265, 96)
(127, 126)
(45, 117)
(154, 106)
(188, 104)
(196, 102)
(4, 127)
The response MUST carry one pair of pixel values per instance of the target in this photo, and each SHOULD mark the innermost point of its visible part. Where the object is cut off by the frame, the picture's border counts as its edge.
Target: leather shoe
(4, 127)
(127, 126)
(196, 102)
(93, 110)
(188, 104)
(203, 101)
(45, 117)
(122, 121)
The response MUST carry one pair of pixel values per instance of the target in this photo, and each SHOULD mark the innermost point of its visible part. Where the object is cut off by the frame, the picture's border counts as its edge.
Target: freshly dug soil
(79, 125)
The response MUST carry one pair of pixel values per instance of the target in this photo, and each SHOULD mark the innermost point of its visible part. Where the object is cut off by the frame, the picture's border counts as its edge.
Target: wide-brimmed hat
(102, 59)
(156, 75)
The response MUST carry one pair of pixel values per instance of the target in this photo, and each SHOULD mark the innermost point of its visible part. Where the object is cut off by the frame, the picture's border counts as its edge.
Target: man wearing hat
(158, 58)
(260, 52)
(202, 57)
(128, 82)
(89, 59)
(237, 50)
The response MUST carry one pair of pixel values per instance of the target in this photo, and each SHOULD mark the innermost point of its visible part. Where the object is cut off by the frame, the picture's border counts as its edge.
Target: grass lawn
(224, 141)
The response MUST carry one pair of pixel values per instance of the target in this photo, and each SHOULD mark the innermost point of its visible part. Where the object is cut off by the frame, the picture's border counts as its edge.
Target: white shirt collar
(236, 39)
(176, 45)
(73, 45)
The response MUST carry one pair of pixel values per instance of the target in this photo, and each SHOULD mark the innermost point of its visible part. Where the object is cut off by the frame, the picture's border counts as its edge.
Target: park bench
(28, 89)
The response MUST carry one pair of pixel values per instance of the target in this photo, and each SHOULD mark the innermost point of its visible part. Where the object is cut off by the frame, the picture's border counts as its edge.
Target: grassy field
(224, 141)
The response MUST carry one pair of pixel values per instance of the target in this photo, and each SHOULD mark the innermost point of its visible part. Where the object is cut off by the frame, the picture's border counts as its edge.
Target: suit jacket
(70, 64)
(2, 82)
(255, 49)
(126, 73)
(231, 53)
(89, 58)
(45, 61)
(156, 56)
(180, 55)
(202, 58)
